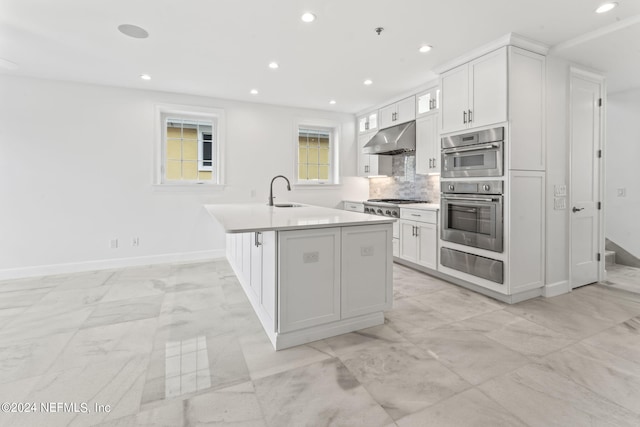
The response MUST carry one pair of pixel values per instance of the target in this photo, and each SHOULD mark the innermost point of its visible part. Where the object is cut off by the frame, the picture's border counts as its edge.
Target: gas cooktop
(397, 201)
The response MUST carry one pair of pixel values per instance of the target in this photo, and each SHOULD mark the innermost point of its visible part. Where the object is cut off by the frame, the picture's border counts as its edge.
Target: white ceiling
(221, 48)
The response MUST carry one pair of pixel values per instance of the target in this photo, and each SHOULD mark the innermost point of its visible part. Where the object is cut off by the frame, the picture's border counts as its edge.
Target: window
(190, 146)
(314, 155)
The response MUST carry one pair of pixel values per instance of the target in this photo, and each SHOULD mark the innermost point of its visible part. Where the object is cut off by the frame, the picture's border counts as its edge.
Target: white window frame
(217, 117)
(334, 129)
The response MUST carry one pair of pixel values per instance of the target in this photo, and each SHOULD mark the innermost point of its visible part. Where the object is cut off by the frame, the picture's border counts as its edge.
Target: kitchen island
(309, 272)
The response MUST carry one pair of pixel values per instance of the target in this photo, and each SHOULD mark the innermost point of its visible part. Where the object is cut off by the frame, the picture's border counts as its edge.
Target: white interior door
(586, 135)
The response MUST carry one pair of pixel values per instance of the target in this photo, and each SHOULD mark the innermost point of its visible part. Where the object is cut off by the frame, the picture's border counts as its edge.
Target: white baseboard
(76, 267)
(555, 289)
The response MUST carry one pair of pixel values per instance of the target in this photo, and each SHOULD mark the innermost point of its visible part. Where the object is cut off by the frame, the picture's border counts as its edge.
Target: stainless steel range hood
(394, 140)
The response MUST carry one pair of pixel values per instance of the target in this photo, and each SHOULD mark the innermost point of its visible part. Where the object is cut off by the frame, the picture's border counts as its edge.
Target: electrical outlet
(559, 203)
(622, 192)
(113, 243)
(135, 242)
(366, 251)
(309, 257)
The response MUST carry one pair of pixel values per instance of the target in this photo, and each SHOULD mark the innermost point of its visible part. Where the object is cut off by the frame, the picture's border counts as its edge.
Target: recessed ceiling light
(133, 31)
(308, 17)
(254, 91)
(145, 76)
(606, 7)
(332, 102)
(273, 65)
(368, 82)
(424, 48)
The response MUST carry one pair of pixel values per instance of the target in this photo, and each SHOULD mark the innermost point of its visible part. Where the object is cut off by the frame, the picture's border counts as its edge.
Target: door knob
(576, 209)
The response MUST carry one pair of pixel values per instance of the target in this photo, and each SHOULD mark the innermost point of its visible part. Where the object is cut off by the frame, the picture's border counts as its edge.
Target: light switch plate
(560, 190)
(559, 203)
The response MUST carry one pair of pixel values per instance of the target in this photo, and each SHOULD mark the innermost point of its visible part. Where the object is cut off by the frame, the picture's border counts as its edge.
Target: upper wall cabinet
(368, 122)
(428, 102)
(475, 94)
(397, 113)
(506, 85)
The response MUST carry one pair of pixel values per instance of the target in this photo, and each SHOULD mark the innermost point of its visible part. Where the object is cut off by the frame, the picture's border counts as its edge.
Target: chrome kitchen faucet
(271, 187)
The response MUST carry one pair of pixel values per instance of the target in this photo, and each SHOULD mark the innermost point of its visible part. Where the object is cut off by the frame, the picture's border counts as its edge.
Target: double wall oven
(471, 209)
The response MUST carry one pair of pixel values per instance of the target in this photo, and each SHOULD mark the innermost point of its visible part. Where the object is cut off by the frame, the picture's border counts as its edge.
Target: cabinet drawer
(355, 207)
(419, 215)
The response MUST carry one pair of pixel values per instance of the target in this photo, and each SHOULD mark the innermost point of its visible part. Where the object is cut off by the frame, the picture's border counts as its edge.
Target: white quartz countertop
(422, 206)
(246, 217)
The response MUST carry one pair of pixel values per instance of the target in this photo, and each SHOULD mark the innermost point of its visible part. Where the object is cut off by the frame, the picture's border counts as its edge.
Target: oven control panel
(472, 187)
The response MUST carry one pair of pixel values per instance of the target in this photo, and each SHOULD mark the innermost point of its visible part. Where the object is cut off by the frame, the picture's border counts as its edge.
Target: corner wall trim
(555, 289)
(77, 267)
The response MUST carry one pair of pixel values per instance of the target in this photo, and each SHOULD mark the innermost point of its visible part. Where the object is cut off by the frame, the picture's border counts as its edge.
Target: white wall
(622, 223)
(76, 170)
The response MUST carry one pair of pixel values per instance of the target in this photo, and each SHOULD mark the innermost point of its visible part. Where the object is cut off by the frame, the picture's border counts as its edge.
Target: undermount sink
(287, 205)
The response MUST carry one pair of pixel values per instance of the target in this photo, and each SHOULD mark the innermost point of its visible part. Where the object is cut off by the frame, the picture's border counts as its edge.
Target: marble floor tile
(27, 358)
(117, 383)
(622, 340)
(124, 311)
(458, 303)
(411, 317)
(473, 356)
(624, 278)
(371, 338)
(566, 321)
(614, 310)
(188, 301)
(610, 376)
(515, 332)
(541, 397)
(86, 280)
(321, 394)
(134, 288)
(607, 291)
(21, 299)
(263, 361)
(408, 283)
(183, 368)
(402, 378)
(103, 343)
(186, 325)
(69, 298)
(471, 408)
(46, 321)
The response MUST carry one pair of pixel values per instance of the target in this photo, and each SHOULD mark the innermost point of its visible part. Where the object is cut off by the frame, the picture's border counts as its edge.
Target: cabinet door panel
(406, 110)
(455, 98)
(425, 140)
(427, 244)
(255, 280)
(488, 80)
(268, 292)
(408, 246)
(386, 116)
(366, 269)
(309, 274)
(363, 159)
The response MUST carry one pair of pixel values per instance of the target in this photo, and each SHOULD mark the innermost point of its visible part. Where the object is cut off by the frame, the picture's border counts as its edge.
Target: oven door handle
(469, 199)
(475, 148)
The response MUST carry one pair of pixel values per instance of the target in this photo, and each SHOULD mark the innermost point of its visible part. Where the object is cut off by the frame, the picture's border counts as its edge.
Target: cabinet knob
(451, 187)
(486, 187)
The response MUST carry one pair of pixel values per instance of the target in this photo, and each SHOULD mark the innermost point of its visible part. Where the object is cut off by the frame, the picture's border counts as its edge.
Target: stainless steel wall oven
(471, 213)
(473, 154)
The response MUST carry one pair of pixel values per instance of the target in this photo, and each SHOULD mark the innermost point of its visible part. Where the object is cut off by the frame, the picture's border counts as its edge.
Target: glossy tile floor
(178, 345)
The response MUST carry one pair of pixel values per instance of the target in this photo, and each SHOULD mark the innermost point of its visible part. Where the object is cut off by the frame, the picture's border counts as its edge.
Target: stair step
(609, 258)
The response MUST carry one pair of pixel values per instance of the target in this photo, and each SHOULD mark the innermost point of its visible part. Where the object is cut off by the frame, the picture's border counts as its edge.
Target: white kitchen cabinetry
(428, 102)
(368, 122)
(427, 145)
(475, 94)
(365, 275)
(419, 237)
(353, 206)
(309, 278)
(397, 113)
(371, 164)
